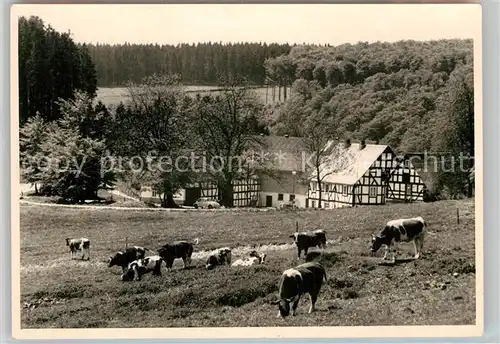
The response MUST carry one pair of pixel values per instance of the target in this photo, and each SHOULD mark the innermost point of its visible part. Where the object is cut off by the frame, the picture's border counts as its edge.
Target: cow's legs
(185, 261)
(295, 304)
(298, 254)
(313, 297)
(418, 243)
(386, 252)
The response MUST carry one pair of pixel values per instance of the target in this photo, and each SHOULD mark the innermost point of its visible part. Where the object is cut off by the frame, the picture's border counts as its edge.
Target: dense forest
(51, 66)
(396, 93)
(198, 64)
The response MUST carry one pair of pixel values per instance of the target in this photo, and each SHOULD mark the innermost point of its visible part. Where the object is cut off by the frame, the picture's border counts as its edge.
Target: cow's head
(211, 262)
(162, 252)
(67, 241)
(113, 260)
(377, 242)
(295, 236)
(284, 307)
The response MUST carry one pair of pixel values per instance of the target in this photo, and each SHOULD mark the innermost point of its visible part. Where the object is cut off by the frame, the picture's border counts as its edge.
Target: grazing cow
(306, 240)
(79, 245)
(139, 267)
(254, 259)
(124, 258)
(221, 257)
(177, 249)
(402, 230)
(306, 278)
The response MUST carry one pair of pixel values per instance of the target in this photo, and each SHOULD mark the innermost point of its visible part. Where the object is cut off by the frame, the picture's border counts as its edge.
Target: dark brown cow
(306, 240)
(177, 250)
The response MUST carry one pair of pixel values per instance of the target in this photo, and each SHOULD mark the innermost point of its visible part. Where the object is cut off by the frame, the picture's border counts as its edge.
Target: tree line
(197, 64)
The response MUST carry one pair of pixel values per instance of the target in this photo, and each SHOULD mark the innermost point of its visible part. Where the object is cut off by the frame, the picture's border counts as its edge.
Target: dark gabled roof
(281, 153)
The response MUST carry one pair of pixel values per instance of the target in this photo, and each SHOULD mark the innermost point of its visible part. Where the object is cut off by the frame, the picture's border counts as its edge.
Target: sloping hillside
(398, 93)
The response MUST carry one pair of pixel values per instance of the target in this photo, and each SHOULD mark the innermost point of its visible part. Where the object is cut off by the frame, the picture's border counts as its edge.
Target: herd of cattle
(306, 278)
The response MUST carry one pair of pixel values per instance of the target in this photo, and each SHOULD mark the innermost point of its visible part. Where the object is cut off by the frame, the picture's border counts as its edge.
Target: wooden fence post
(458, 217)
(126, 242)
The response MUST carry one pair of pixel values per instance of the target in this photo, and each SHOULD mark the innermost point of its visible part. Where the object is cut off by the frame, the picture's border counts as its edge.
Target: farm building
(362, 174)
(282, 175)
(245, 193)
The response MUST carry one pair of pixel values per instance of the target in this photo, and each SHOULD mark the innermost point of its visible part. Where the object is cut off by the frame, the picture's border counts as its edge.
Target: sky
(320, 24)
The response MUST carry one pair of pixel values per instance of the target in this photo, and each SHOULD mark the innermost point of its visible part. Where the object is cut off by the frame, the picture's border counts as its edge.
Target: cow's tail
(426, 228)
(324, 275)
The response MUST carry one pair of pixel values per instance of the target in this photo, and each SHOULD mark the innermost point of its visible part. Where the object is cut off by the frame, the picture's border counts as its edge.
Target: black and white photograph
(265, 171)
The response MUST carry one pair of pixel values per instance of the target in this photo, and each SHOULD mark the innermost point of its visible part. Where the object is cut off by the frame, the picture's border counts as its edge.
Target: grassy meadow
(111, 96)
(56, 292)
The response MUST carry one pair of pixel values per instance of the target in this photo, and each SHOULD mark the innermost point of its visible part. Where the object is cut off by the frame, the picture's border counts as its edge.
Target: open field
(57, 292)
(111, 96)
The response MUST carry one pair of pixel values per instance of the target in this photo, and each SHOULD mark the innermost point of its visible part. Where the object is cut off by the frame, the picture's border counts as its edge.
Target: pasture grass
(59, 293)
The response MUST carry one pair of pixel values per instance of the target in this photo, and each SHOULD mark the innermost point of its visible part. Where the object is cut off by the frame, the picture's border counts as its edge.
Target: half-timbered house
(405, 184)
(362, 174)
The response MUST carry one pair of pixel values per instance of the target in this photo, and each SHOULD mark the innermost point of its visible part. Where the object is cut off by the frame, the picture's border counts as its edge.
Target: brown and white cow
(138, 268)
(306, 278)
(221, 256)
(401, 230)
(306, 240)
(177, 250)
(79, 245)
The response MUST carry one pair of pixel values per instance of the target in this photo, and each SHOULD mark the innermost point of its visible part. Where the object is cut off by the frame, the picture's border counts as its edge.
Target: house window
(327, 205)
(313, 204)
(313, 186)
(344, 190)
(373, 191)
(292, 197)
(280, 197)
(154, 193)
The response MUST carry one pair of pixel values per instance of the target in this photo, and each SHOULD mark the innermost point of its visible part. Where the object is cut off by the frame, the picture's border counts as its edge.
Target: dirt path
(100, 261)
(105, 207)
